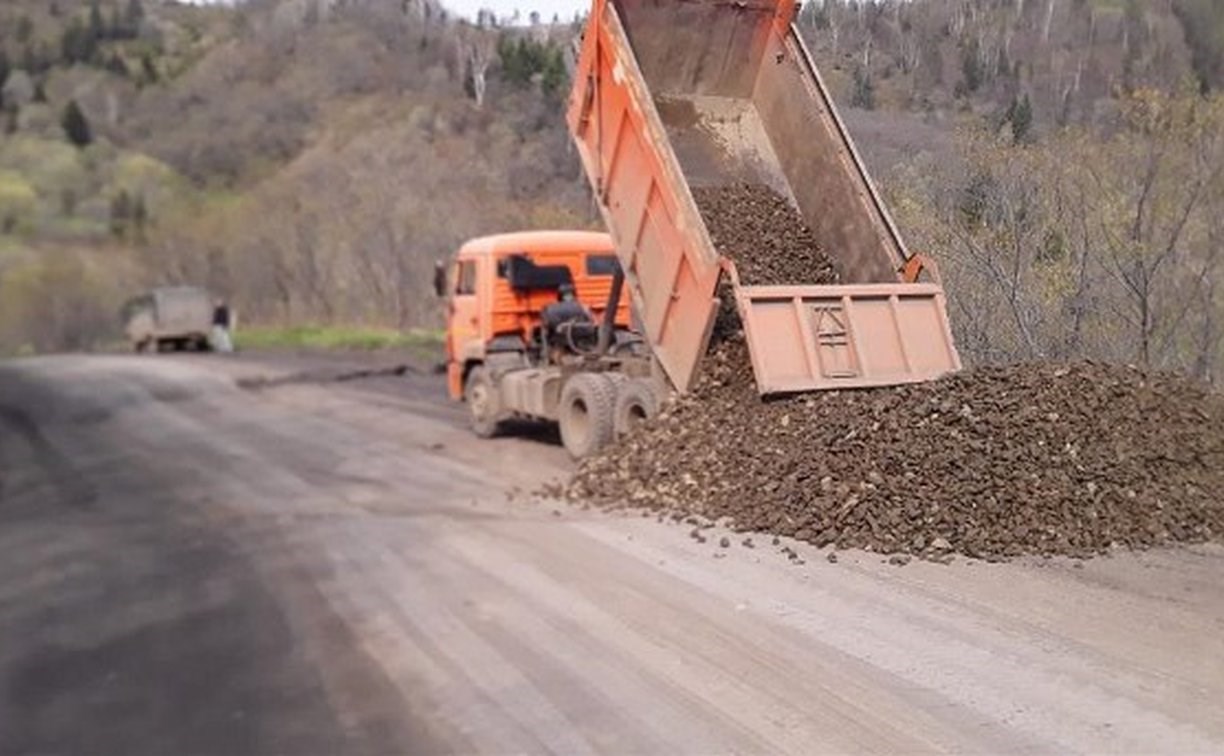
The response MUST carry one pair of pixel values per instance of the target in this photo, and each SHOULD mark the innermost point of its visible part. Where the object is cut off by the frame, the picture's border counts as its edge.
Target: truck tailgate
(805, 338)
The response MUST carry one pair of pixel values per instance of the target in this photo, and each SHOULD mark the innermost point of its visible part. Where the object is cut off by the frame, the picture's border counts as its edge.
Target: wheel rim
(579, 421)
(636, 416)
(478, 400)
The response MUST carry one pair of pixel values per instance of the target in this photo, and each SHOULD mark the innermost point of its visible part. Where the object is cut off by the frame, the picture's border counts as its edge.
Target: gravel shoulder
(246, 556)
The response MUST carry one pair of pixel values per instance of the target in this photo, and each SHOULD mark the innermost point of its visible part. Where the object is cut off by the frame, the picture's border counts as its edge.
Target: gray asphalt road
(244, 556)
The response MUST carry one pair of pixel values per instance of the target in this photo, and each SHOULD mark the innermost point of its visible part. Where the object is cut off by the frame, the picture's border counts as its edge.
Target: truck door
(463, 324)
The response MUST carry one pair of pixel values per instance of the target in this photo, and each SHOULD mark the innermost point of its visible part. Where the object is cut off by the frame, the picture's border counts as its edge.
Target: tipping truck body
(669, 96)
(673, 95)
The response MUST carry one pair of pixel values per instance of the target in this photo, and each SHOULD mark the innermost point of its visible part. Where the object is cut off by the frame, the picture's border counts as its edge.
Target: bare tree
(478, 50)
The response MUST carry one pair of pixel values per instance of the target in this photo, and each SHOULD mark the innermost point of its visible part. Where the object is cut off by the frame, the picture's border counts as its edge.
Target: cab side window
(602, 265)
(465, 277)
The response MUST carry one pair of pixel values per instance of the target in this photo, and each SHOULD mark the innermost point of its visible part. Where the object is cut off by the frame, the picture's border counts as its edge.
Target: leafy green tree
(554, 78)
(76, 125)
(522, 59)
(515, 58)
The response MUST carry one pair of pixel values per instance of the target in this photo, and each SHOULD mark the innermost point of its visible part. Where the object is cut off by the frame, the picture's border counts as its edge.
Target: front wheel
(484, 403)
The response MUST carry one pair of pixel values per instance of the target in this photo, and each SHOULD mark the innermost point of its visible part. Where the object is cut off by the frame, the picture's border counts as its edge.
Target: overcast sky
(503, 8)
(546, 8)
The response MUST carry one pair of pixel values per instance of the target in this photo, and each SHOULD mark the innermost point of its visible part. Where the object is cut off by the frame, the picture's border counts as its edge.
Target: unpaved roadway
(201, 556)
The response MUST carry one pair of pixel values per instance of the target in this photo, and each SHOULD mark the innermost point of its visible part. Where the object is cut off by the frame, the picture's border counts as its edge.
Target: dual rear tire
(598, 408)
(636, 402)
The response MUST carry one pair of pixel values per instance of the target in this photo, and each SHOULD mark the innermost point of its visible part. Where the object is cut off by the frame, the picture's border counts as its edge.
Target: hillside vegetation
(310, 159)
(1064, 61)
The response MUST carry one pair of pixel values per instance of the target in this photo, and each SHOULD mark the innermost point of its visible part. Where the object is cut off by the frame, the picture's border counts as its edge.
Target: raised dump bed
(671, 95)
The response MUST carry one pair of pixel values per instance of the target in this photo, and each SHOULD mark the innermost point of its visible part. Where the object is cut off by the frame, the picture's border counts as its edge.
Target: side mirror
(440, 278)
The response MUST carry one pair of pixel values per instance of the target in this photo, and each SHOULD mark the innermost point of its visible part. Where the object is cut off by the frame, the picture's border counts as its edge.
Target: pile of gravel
(764, 234)
(990, 463)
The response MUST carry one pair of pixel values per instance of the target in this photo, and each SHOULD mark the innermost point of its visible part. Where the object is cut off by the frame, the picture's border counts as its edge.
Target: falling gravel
(764, 234)
(991, 463)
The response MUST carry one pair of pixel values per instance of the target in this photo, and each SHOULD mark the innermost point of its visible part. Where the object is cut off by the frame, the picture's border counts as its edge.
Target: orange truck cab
(501, 288)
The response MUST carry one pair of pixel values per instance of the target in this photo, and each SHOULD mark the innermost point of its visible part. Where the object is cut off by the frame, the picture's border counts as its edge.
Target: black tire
(141, 346)
(636, 402)
(585, 413)
(484, 403)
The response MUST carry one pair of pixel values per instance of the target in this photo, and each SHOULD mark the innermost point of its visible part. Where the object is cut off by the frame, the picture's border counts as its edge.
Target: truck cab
(502, 289)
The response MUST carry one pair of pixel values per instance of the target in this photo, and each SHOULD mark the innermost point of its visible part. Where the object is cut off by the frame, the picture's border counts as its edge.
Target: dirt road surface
(210, 557)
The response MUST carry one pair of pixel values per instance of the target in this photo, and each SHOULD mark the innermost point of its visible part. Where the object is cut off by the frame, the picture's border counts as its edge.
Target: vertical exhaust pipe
(608, 326)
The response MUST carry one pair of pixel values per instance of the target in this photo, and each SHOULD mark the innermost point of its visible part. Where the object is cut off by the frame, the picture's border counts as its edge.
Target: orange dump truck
(669, 96)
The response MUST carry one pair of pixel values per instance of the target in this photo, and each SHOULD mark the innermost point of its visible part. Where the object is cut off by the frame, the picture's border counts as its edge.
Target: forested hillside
(1061, 61)
(311, 158)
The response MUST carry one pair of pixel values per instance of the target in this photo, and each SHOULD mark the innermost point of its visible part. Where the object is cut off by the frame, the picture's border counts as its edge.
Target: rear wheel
(636, 402)
(585, 413)
(484, 403)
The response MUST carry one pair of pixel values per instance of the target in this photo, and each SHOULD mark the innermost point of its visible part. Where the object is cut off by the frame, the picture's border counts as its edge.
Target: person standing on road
(221, 328)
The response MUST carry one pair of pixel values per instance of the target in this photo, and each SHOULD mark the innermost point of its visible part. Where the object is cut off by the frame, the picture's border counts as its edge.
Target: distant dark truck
(169, 318)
